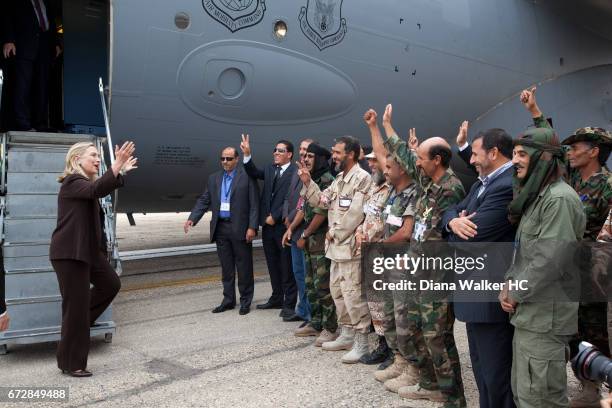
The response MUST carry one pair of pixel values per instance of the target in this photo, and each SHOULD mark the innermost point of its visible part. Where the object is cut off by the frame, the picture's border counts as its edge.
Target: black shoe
(270, 305)
(387, 362)
(77, 373)
(244, 310)
(222, 308)
(286, 313)
(293, 318)
(378, 355)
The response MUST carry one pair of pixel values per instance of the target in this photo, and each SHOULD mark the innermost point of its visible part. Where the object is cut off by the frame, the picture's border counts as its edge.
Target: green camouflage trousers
(425, 337)
(539, 376)
(322, 308)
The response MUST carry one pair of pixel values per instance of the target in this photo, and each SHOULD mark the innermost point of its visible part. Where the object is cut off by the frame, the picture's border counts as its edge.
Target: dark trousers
(491, 354)
(81, 306)
(235, 256)
(284, 289)
(31, 97)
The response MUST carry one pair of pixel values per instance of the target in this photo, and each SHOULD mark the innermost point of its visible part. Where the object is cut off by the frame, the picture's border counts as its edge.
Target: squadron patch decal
(235, 14)
(322, 23)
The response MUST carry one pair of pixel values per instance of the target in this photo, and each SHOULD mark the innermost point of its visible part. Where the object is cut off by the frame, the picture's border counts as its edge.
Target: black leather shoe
(222, 308)
(387, 362)
(293, 318)
(77, 373)
(270, 305)
(378, 355)
(286, 313)
(244, 310)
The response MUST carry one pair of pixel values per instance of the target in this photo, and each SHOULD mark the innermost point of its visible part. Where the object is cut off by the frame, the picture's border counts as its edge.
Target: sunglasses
(227, 159)
(280, 150)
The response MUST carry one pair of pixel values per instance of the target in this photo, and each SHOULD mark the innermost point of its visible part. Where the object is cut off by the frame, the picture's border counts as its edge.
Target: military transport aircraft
(187, 77)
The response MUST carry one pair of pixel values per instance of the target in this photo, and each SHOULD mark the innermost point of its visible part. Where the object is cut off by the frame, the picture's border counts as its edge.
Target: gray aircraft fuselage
(182, 94)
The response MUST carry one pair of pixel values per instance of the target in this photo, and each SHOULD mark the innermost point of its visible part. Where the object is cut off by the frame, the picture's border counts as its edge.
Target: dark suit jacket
(271, 201)
(244, 203)
(493, 226)
(20, 26)
(79, 233)
(290, 205)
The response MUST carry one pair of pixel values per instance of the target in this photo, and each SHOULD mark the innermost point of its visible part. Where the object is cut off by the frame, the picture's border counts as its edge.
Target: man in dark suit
(483, 217)
(30, 35)
(290, 213)
(233, 198)
(277, 177)
(4, 317)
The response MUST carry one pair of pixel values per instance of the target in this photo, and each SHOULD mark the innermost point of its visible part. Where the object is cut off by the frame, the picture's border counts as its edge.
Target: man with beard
(550, 221)
(589, 149)
(344, 200)
(323, 322)
(291, 215)
(388, 219)
(428, 339)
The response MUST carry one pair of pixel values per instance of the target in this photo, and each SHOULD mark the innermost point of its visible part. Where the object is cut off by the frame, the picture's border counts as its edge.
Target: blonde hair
(71, 166)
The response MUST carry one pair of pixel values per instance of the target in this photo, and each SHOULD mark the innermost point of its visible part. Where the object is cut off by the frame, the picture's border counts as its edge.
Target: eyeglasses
(280, 150)
(227, 159)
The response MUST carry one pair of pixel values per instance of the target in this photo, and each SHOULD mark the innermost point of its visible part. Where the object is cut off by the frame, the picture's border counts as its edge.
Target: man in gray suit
(233, 198)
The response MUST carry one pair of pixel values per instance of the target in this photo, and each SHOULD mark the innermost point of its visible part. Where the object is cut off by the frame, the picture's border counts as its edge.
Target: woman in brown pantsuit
(78, 249)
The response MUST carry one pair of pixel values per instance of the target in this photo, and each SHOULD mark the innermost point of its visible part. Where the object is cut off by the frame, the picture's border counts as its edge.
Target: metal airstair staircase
(29, 166)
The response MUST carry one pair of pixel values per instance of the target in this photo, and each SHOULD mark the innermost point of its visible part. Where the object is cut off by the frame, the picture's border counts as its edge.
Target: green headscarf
(546, 165)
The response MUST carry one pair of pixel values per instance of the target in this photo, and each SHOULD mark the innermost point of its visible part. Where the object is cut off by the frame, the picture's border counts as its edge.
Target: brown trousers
(82, 305)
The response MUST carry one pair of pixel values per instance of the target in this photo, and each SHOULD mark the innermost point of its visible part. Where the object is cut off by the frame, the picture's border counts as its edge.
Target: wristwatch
(304, 236)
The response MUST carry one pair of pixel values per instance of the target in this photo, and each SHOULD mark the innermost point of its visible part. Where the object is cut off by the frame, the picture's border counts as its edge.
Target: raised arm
(377, 142)
(396, 146)
(249, 166)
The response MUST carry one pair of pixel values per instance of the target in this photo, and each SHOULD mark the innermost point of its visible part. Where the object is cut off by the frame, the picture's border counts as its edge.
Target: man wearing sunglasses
(277, 178)
(233, 198)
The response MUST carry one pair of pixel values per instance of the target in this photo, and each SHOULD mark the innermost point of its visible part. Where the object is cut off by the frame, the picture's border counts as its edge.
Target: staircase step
(65, 139)
(34, 285)
(31, 205)
(36, 161)
(24, 230)
(41, 183)
(26, 257)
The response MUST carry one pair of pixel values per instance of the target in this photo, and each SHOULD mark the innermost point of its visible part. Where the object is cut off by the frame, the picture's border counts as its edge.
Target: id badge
(345, 202)
(225, 206)
(394, 220)
(388, 210)
(419, 231)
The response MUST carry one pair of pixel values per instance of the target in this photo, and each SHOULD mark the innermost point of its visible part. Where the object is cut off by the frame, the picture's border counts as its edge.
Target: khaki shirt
(344, 201)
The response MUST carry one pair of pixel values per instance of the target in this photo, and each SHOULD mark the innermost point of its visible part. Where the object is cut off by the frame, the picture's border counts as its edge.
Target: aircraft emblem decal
(322, 23)
(235, 14)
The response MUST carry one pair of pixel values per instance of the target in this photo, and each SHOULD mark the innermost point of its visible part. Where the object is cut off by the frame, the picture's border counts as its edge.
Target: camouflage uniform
(425, 328)
(596, 197)
(372, 230)
(344, 200)
(323, 311)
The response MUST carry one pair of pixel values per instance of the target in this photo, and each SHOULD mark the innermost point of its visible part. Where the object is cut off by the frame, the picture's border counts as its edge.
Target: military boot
(410, 376)
(417, 392)
(360, 348)
(588, 396)
(344, 342)
(394, 370)
(378, 355)
(325, 337)
(306, 331)
(390, 359)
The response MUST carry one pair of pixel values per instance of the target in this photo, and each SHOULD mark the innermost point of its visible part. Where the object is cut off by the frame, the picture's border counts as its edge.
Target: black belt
(225, 219)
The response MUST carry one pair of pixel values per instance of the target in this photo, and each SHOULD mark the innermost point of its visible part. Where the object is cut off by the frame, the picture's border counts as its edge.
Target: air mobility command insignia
(235, 14)
(322, 23)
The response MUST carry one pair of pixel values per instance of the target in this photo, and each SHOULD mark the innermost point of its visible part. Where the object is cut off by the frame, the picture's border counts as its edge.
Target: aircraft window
(280, 30)
(181, 20)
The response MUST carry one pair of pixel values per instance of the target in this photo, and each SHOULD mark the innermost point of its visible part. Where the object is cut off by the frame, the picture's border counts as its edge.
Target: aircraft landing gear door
(86, 54)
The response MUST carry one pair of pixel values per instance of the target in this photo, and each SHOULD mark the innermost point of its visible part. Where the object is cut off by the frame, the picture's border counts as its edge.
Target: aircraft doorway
(81, 29)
